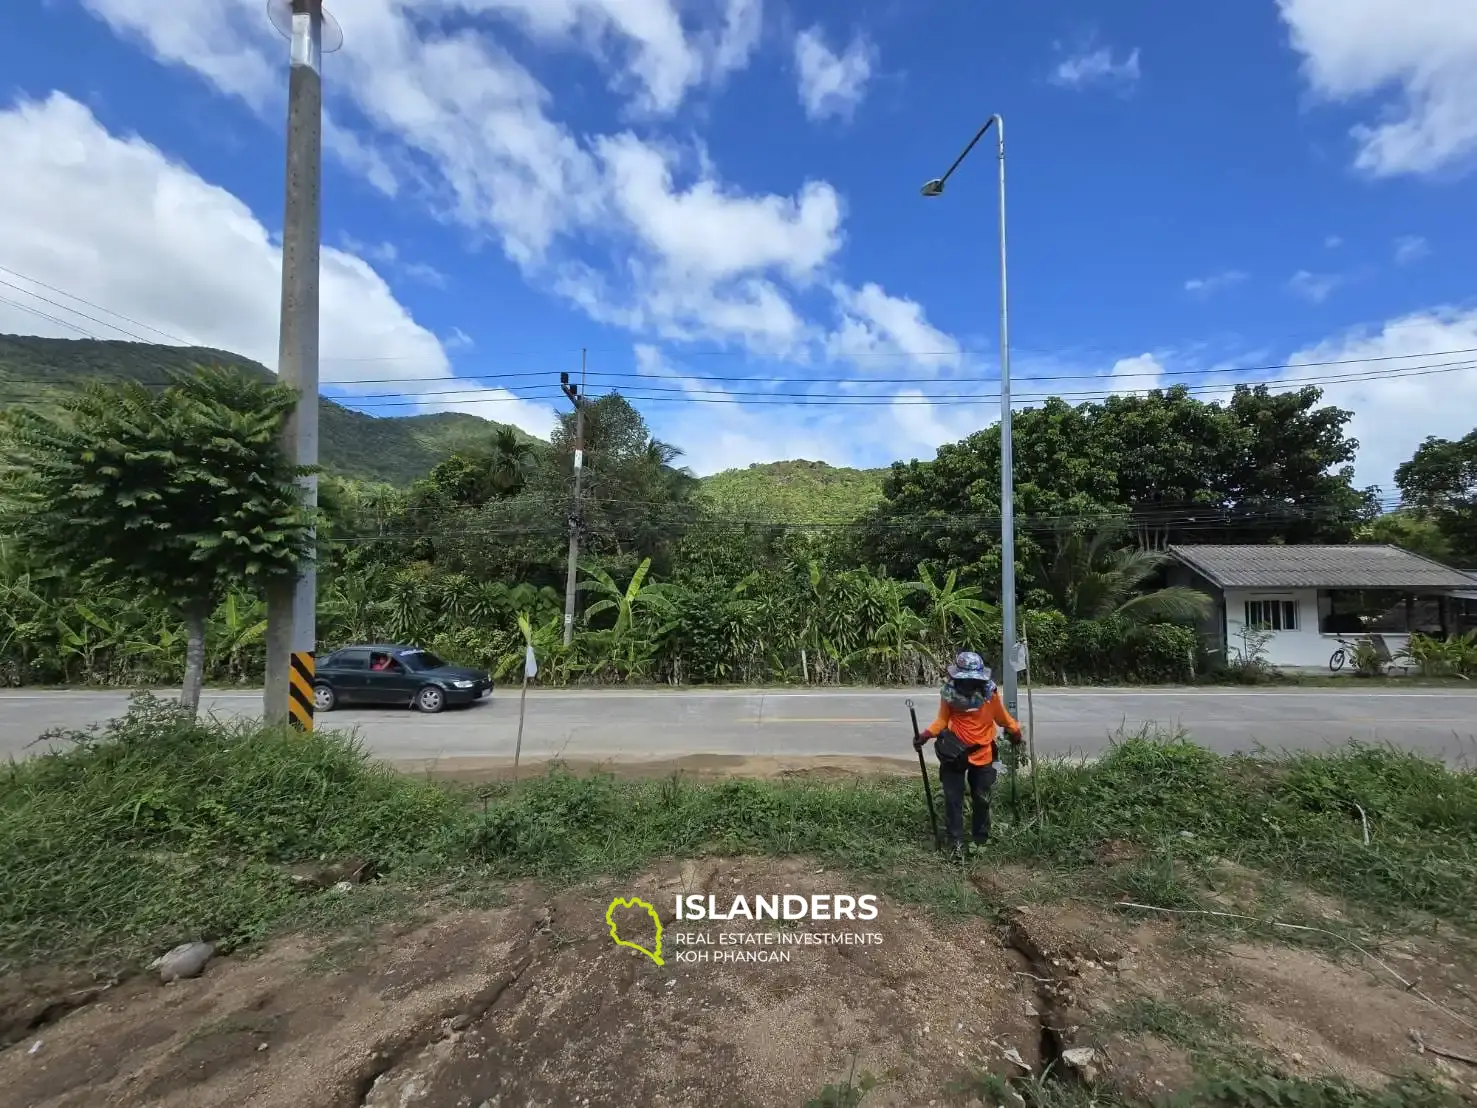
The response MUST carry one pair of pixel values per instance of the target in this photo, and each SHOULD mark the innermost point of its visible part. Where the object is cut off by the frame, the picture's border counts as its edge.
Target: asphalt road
(620, 725)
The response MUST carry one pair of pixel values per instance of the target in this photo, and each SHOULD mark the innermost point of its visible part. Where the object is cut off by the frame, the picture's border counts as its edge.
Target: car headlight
(462, 684)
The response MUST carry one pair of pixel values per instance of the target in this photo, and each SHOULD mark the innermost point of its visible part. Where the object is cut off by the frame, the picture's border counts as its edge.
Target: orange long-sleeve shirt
(975, 727)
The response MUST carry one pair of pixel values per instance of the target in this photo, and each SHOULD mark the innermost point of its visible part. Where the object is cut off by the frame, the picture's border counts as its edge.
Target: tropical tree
(1440, 481)
(179, 494)
(950, 609)
(642, 615)
(1091, 576)
(511, 462)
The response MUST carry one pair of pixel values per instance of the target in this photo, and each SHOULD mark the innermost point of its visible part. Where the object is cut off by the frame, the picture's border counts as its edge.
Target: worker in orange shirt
(970, 708)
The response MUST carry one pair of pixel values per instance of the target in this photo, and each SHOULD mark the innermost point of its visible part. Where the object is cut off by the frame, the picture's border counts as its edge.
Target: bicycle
(1340, 656)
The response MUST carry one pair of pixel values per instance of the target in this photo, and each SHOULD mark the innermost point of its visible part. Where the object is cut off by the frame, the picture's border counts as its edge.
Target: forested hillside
(397, 449)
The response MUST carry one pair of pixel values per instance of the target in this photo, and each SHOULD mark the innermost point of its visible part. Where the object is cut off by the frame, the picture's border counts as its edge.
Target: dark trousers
(981, 779)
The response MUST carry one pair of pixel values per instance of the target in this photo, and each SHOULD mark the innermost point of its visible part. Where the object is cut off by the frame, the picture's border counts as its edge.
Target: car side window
(383, 663)
(350, 659)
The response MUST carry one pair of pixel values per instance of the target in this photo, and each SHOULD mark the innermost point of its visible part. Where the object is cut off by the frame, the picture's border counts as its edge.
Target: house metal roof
(1319, 567)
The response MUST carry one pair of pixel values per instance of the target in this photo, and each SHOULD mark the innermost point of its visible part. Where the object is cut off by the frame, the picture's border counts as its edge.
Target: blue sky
(699, 191)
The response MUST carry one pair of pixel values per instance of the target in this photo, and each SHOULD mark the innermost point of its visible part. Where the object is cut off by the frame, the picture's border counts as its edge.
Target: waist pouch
(953, 752)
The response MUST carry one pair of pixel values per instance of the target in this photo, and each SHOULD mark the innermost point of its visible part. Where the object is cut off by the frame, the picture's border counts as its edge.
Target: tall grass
(160, 828)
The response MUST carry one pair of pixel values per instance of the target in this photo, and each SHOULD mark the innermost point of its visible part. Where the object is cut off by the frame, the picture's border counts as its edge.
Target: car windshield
(421, 659)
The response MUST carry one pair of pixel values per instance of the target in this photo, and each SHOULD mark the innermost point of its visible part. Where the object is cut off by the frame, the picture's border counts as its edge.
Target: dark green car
(389, 674)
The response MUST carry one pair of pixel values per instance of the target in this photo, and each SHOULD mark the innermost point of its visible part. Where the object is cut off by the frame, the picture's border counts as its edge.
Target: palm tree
(510, 462)
(1094, 578)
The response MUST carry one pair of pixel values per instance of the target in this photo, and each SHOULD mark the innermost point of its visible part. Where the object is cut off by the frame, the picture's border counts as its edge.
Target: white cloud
(1216, 282)
(440, 104)
(114, 222)
(1423, 393)
(877, 328)
(664, 60)
(1096, 66)
(1136, 376)
(1410, 248)
(706, 231)
(831, 84)
(1333, 242)
(1421, 56)
(1316, 287)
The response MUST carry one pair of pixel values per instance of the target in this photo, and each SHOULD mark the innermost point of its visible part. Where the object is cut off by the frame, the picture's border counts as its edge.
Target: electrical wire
(373, 403)
(621, 375)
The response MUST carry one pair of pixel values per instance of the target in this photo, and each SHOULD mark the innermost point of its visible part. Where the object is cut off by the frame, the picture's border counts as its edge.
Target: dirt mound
(534, 1004)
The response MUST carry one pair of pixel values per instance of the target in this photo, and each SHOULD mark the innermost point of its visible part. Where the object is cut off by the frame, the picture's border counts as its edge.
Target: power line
(1186, 518)
(375, 403)
(90, 304)
(44, 315)
(636, 375)
(69, 308)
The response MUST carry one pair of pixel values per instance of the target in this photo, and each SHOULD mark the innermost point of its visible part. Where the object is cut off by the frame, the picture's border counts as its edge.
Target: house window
(1272, 615)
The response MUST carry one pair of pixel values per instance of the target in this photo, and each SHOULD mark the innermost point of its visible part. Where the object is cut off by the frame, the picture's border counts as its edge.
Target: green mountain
(794, 491)
(397, 449)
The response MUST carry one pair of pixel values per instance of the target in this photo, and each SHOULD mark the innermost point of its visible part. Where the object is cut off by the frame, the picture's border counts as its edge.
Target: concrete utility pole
(1009, 645)
(291, 606)
(576, 518)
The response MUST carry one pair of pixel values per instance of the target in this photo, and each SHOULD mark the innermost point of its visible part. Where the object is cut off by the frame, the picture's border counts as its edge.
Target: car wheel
(324, 699)
(430, 699)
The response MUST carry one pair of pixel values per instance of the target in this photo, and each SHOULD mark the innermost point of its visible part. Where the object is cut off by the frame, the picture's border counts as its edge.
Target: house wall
(1303, 648)
(1212, 626)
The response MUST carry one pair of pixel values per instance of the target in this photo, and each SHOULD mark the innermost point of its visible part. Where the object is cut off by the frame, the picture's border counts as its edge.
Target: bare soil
(838, 767)
(534, 1004)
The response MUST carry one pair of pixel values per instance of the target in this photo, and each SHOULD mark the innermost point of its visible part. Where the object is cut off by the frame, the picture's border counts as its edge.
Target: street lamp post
(935, 187)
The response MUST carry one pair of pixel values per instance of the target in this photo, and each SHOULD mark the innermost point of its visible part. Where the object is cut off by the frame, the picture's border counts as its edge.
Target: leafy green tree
(179, 494)
(1440, 481)
(1411, 530)
(1263, 465)
(1094, 576)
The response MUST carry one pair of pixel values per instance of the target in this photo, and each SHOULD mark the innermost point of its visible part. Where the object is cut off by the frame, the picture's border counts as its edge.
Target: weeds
(1271, 1091)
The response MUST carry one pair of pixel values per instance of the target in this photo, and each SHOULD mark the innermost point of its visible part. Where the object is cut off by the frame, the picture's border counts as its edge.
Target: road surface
(632, 725)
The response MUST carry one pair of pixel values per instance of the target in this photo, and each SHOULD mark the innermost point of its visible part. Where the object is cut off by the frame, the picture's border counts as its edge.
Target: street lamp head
(934, 187)
(280, 12)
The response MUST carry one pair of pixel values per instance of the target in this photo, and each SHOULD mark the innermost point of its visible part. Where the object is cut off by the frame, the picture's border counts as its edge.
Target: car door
(348, 673)
(392, 685)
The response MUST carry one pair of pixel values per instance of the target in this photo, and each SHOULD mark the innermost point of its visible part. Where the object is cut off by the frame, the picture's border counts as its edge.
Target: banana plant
(951, 609)
(642, 616)
(237, 626)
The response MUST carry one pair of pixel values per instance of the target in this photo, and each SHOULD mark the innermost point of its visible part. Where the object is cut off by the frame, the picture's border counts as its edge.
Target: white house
(1306, 599)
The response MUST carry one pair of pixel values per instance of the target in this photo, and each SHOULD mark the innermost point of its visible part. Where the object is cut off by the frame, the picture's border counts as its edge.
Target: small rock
(1296, 1058)
(543, 919)
(671, 982)
(342, 887)
(460, 1022)
(185, 960)
(1014, 1056)
(261, 1047)
(34, 1047)
(1084, 1061)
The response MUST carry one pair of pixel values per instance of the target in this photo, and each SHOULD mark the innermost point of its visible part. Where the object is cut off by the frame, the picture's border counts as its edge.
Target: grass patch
(1201, 1031)
(158, 829)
